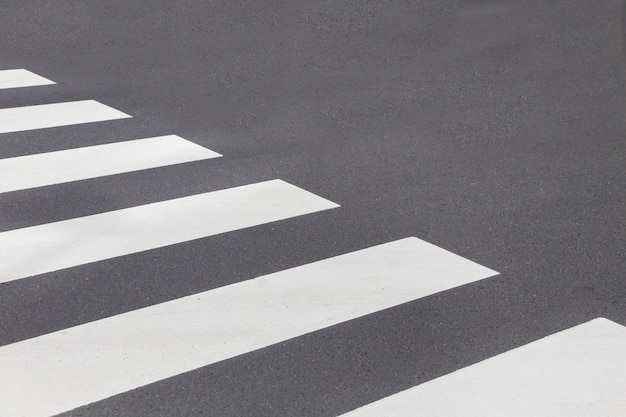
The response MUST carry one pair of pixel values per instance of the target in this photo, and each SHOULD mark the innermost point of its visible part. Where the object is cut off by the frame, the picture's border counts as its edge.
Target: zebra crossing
(121, 232)
(19, 78)
(42, 116)
(96, 360)
(577, 372)
(24, 172)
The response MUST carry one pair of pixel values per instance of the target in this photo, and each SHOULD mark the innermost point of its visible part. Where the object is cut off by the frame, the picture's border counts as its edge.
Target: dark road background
(493, 129)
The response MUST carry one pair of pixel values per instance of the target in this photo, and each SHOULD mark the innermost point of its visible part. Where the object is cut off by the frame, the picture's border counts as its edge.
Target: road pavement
(491, 130)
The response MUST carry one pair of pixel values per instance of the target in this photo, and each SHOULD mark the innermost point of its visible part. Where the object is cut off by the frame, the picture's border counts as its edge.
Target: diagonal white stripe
(53, 246)
(41, 116)
(76, 366)
(95, 161)
(577, 372)
(21, 78)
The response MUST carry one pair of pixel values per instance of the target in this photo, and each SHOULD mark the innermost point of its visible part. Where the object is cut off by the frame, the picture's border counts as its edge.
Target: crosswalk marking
(96, 161)
(577, 372)
(53, 246)
(41, 116)
(86, 363)
(16, 78)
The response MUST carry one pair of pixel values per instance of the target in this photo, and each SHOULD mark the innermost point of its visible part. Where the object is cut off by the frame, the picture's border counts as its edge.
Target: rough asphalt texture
(494, 129)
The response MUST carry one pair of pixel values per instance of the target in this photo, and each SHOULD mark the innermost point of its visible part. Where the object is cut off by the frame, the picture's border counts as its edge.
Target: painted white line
(96, 161)
(578, 372)
(41, 116)
(53, 246)
(90, 362)
(21, 78)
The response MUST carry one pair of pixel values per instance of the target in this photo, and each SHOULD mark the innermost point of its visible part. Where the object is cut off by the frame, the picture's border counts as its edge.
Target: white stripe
(66, 369)
(54, 246)
(577, 372)
(17, 119)
(21, 78)
(96, 161)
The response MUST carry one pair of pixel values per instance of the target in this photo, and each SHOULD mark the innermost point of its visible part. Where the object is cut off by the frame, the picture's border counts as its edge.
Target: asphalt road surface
(493, 130)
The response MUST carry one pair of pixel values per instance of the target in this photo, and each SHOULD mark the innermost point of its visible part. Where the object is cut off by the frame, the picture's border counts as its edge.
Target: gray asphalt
(493, 129)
